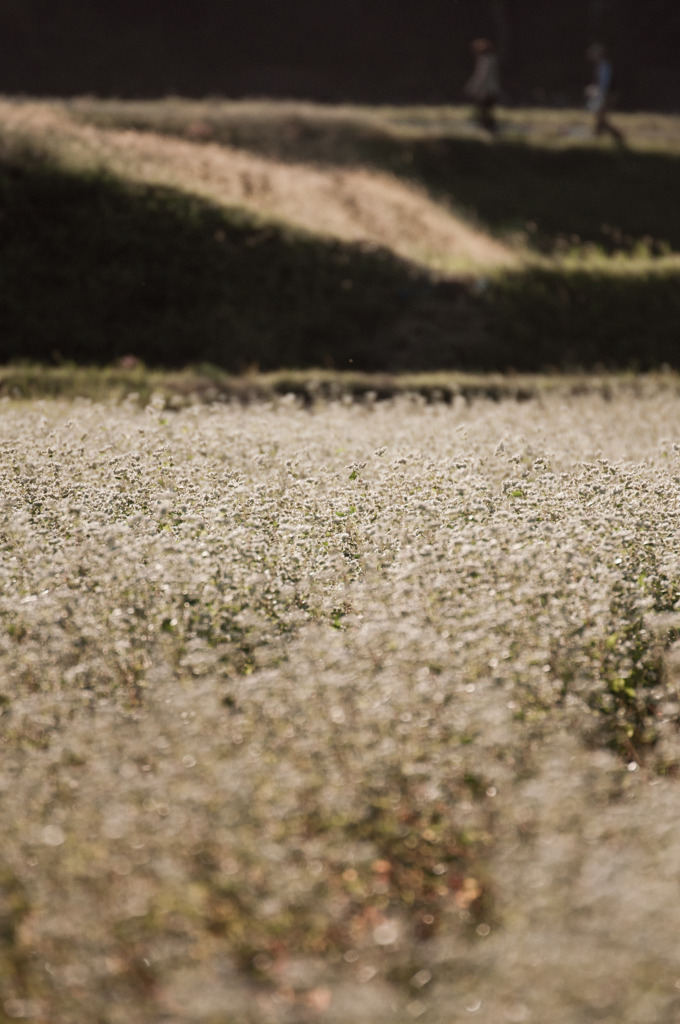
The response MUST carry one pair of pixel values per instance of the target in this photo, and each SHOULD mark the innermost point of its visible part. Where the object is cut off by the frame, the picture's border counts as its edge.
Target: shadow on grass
(584, 319)
(93, 269)
(612, 198)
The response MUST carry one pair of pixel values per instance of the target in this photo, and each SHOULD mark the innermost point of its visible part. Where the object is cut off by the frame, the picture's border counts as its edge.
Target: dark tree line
(370, 50)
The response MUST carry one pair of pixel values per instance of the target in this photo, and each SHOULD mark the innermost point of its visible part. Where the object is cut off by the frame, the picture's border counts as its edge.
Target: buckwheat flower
(352, 688)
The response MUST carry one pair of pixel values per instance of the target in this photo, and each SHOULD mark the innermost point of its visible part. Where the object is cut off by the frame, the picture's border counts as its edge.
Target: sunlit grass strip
(209, 384)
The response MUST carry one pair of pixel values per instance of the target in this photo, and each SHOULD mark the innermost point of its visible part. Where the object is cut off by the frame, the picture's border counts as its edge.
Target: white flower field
(354, 713)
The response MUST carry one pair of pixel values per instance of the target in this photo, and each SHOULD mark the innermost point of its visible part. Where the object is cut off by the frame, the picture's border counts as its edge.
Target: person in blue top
(599, 93)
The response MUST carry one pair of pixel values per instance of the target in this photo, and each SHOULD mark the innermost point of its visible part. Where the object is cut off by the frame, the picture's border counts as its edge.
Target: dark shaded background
(356, 50)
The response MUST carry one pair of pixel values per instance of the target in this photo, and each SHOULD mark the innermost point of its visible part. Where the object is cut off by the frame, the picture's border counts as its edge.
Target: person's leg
(604, 126)
(616, 134)
(487, 118)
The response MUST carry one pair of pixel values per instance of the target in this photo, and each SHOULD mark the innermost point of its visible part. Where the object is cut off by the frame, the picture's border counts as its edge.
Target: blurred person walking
(599, 94)
(484, 87)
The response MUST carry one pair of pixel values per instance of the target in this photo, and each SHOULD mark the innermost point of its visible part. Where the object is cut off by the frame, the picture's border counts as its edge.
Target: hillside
(293, 235)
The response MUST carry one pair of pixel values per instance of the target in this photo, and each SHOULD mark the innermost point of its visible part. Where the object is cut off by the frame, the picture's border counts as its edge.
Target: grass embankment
(543, 177)
(279, 252)
(207, 384)
(94, 269)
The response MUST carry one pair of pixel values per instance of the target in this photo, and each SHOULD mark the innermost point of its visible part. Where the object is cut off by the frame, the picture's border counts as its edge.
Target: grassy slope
(95, 267)
(543, 174)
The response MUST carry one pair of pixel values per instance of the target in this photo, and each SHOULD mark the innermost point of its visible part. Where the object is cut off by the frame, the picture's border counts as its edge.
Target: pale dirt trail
(353, 205)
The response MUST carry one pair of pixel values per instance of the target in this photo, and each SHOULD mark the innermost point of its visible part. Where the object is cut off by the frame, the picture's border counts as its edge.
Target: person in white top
(599, 92)
(484, 87)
